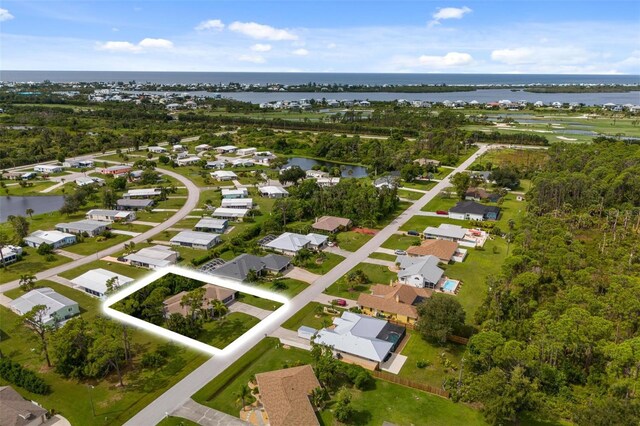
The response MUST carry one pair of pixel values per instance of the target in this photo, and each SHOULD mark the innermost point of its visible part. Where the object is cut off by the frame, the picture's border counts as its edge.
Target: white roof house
(273, 191)
(226, 148)
(235, 193)
(237, 203)
(111, 215)
(58, 306)
(290, 243)
(54, 238)
(223, 175)
(446, 232)
(10, 254)
(202, 147)
(358, 335)
(153, 257)
(157, 149)
(142, 193)
(227, 213)
(88, 226)
(243, 162)
(419, 271)
(219, 164)
(86, 180)
(328, 181)
(192, 159)
(246, 151)
(47, 168)
(94, 282)
(211, 225)
(196, 240)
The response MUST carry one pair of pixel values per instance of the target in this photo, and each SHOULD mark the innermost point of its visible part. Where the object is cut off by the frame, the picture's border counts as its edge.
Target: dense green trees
(440, 316)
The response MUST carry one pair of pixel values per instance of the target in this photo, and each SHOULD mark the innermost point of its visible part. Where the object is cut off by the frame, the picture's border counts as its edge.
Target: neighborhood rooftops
(425, 266)
(273, 191)
(48, 237)
(442, 249)
(130, 202)
(155, 256)
(291, 242)
(195, 238)
(331, 223)
(95, 281)
(85, 225)
(174, 304)
(285, 395)
(17, 411)
(144, 192)
(239, 267)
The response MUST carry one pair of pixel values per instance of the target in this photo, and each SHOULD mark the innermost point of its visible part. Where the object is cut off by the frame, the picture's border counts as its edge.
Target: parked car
(339, 302)
(400, 252)
(442, 212)
(331, 244)
(413, 233)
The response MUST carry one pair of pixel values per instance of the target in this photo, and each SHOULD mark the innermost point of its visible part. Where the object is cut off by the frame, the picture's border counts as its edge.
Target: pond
(17, 206)
(347, 170)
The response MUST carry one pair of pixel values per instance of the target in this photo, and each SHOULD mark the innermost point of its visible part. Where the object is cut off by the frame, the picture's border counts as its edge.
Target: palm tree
(29, 212)
(218, 308)
(27, 282)
(242, 395)
(318, 396)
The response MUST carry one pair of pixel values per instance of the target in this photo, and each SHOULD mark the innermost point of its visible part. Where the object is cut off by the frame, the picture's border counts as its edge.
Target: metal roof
(96, 280)
(41, 296)
(195, 237)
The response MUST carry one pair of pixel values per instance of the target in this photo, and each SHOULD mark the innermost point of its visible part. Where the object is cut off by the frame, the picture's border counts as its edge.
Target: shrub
(44, 249)
(422, 364)
(152, 360)
(20, 376)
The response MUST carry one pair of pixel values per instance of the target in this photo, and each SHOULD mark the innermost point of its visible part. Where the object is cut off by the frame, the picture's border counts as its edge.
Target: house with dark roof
(285, 395)
(397, 302)
(470, 210)
(17, 411)
(238, 268)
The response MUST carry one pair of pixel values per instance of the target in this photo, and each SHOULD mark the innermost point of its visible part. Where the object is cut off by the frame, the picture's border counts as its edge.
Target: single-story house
(142, 193)
(481, 175)
(235, 193)
(196, 240)
(230, 214)
(470, 210)
(202, 147)
(12, 176)
(247, 151)
(48, 168)
(326, 182)
(177, 148)
(153, 257)
(331, 224)
(420, 272)
(157, 149)
(10, 254)
(243, 162)
(479, 194)
(111, 215)
(223, 175)
(397, 302)
(427, 162)
(290, 243)
(134, 204)
(446, 231)
(237, 203)
(442, 249)
(386, 182)
(28, 176)
(264, 159)
(116, 170)
(219, 164)
(173, 305)
(56, 239)
(239, 267)
(17, 411)
(86, 180)
(285, 395)
(357, 337)
(271, 191)
(59, 307)
(211, 225)
(94, 282)
(78, 164)
(92, 228)
(315, 174)
(226, 149)
(192, 159)
(135, 175)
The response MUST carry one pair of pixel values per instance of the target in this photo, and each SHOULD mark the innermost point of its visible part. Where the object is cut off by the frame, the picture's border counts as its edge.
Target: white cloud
(261, 32)
(211, 24)
(565, 55)
(5, 15)
(259, 47)
(451, 59)
(125, 46)
(301, 52)
(448, 13)
(256, 59)
(331, 46)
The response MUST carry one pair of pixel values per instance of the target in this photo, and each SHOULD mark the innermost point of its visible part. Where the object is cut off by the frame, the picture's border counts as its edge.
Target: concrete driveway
(302, 275)
(245, 308)
(204, 415)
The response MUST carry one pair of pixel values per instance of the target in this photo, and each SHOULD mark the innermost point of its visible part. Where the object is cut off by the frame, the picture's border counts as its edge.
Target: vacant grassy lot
(423, 185)
(383, 256)
(259, 302)
(419, 223)
(31, 263)
(312, 315)
(440, 203)
(352, 241)
(417, 349)
(118, 268)
(401, 242)
(222, 332)
(92, 245)
(410, 195)
(520, 158)
(176, 421)
(377, 274)
(322, 266)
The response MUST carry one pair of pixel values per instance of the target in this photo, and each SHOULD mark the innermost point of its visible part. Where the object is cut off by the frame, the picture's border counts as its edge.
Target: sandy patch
(563, 138)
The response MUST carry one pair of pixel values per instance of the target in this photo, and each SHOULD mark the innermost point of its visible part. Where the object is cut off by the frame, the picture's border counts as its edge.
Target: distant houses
(239, 267)
(116, 170)
(134, 204)
(88, 227)
(271, 191)
(111, 215)
(142, 193)
(47, 168)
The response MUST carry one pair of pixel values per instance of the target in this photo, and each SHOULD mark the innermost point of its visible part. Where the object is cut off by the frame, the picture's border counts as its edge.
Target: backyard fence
(409, 383)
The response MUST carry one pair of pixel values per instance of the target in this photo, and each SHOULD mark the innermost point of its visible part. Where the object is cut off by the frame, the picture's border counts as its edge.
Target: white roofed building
(153, 257)
(223, 175)
(56, 239)
(271, 191)
(59, 307)
(94, 282)
(290, 243)
(111, 215)
(211, 225)
(235, 193)
(230, 214)
(196, 240)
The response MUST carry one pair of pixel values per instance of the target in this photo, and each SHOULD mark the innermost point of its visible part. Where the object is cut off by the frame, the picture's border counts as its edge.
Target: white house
(47, 168)
(142, 193)
(237, 203)
(157, 149)
(328, 181)
(192, 159)
(111, 215)
(202, 147)
(220, 164)
(211, 225)
(223, 175)
(420, 272)
(178, 148)
(271, 191)
(242, 162)
(94, 282)
(290, 243)
(56, 239)
(230, 214)
(226, 149)
(235, 193)
(59, 307)
(10, 254)
(315, 174)
(86, 180)
(246, 151)
(196, 240)
(89, 227)
(153, 257)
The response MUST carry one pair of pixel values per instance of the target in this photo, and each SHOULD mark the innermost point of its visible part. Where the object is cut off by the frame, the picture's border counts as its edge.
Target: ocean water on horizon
(299, 78)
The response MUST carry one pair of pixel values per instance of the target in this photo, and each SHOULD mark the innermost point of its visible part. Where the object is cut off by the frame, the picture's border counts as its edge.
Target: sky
(500, 36)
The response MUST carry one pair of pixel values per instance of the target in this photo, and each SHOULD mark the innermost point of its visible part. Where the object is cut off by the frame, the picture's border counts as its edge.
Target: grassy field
(259, 302)
(383, 256)
(293, 287)
(352, 241)
(221, 333)
(419, 223)
(440, 203)
(423, 185)
(520, 158)
(31, 263)
(92, 245)
(34, 187)
(330, 261)
(410, 195)
(118, 268)
(176, 421)
(401, 242)
(377, 274)
(311, 315)
(72, 398)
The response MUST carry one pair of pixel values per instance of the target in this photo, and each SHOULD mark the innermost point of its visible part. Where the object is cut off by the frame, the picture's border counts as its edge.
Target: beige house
(397, 303)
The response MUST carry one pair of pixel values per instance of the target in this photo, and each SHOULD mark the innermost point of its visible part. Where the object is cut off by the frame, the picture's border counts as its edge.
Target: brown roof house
(17, 411)
(398, 302)
(212, 292)
(479, 194)
(331, 224)
(285, 396)
(442, 249)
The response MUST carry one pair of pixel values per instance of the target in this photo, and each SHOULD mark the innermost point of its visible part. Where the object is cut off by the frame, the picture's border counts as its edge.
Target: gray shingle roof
(472, 207)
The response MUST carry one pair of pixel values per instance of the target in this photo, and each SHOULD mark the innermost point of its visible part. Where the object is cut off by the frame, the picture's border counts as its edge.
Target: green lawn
(423, 185)
(383, 256)
(311, 315)
(417, 349)
(377, 274)
(221, 333)
(259, 302)
(419, 223)
(118, 268)
(73, 398)
(293, 287)
(401, 242)
(92, 245)
(131, 227)
(31, 263)
(330, 261)
(34, 189)
(511, 209)
(410, 195)
(440, 203)
(352, 241)
(176, 421)
(402, 206)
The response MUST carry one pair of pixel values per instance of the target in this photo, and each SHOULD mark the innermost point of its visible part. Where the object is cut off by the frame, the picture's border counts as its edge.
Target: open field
(31, 263)
(401, 242)
(221, 333)
(377, 274)
(352, 241)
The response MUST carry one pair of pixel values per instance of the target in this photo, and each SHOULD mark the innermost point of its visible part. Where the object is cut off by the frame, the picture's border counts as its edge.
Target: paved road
(190, 203)
(181, 391)
(202, 415)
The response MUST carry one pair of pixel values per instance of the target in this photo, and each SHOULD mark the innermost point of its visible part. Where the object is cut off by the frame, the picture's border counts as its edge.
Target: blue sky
(570, 36)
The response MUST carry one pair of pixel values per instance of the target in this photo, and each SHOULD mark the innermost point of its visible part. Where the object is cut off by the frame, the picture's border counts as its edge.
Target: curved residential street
(181, 392)
(191, 203)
